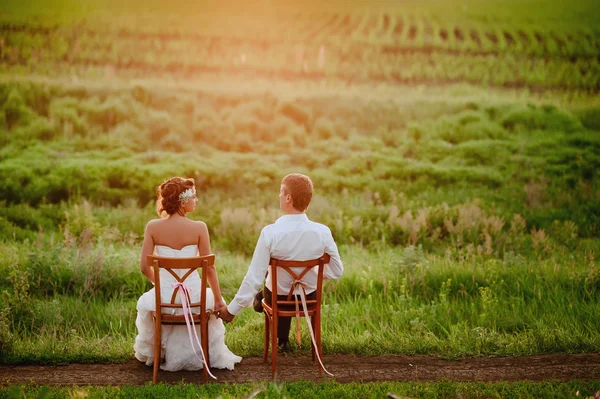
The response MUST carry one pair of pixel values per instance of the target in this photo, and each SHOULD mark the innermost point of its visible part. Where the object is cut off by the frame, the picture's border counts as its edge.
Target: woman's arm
(147, 249)
(211, 272)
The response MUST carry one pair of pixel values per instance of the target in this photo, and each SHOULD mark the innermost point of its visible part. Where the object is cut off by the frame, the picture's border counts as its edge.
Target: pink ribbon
(299, 284)
(184, 293)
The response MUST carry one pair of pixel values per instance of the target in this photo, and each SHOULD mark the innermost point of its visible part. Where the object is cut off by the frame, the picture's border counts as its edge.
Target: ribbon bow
(184, 293)
(300, 286)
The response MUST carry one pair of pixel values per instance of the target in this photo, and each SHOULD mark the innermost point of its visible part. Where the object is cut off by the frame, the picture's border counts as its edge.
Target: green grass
(467, 223)
(445, 389)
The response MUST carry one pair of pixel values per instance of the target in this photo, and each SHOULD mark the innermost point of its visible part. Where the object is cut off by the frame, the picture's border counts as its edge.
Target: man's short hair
(300, 187)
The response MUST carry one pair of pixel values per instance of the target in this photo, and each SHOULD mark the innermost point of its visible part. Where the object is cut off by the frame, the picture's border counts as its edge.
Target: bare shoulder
(151, 225)
(152, 229)
(200, 225)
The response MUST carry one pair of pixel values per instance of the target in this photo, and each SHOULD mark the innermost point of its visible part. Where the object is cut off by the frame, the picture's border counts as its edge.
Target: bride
(176, 236)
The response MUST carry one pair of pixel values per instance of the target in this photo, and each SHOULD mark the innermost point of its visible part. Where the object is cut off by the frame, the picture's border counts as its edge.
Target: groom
(292, 237)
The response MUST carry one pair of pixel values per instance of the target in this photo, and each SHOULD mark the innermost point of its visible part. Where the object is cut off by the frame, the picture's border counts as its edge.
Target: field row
(397, 32)
(413, 31)
(306, 49)
(550, 45)
(411, 68)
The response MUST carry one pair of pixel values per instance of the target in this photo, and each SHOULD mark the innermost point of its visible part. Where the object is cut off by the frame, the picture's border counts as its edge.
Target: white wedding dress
(176, 348)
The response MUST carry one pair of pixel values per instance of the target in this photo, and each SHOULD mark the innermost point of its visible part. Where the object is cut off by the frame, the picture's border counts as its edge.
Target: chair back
(170, 264)
(301, 269)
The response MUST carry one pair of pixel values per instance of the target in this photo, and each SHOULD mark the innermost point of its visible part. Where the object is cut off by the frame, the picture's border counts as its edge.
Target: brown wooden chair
(201, 317)
(289, 307)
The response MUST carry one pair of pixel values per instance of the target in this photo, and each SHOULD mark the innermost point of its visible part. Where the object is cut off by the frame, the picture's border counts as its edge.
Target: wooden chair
(283, 308)
(169, 264)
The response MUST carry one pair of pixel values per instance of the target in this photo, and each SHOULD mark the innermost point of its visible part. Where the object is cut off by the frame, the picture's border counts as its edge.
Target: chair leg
(267, 331)
(157, 344)
(204, 341)
(312, 346)
(318, 339)
(274, 345)
(207, 349)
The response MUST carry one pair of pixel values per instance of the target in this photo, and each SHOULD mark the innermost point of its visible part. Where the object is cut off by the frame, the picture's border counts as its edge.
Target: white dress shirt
(291, 237)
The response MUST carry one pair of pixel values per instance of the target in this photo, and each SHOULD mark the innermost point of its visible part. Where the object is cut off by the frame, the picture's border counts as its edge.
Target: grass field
(454, 148)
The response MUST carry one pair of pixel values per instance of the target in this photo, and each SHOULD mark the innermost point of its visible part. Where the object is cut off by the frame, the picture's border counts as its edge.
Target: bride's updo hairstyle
(167, 195)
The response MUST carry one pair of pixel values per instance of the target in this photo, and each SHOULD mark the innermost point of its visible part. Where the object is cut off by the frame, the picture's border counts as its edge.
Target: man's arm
(254, 277)
(335, 268)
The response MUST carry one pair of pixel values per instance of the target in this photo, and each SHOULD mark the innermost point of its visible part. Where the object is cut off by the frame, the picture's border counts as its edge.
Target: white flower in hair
(185, 196)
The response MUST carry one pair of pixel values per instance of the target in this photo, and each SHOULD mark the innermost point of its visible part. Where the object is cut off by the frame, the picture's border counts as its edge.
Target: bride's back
(177, 232)
(177, 237)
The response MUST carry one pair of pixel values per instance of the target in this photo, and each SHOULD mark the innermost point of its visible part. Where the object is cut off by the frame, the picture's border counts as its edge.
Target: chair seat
(177, 319)
(290, 311)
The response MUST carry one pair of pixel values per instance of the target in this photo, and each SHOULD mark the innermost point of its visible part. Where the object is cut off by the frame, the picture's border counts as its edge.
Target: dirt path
(346, 368)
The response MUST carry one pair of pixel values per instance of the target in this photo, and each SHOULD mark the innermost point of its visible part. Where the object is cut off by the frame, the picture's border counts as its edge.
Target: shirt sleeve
(335, 268)
(254, 277)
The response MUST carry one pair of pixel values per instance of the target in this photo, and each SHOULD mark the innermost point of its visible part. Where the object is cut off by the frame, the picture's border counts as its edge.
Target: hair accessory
(185, 196)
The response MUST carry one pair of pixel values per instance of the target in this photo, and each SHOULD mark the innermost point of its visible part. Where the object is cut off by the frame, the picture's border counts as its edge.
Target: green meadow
(454, 153)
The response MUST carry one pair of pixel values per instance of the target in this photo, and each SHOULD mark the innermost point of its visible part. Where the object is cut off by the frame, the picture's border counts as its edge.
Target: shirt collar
(301, 217)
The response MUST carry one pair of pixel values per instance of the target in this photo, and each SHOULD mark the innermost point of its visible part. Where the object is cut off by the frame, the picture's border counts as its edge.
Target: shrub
(6, 335)
(565, 233)
(15, 110)
(10, 231)
(480, 130)
(26, 217)
(106, 114)
(240, 228)
(64, 112)
(324, 129)
(482, 152)
(540, 118)
(80, 221)
(297, 113)
(172, 142)
(589, 117)
(39, 129)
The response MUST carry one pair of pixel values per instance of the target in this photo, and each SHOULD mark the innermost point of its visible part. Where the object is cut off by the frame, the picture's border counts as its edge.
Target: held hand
(219, 305)
(225, 315)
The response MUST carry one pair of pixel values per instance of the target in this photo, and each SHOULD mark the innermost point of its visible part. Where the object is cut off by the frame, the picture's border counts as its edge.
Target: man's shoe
(257, 304)
(284, 347)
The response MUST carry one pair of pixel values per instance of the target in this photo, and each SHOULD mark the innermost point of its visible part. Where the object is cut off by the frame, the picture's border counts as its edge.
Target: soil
(346, 368)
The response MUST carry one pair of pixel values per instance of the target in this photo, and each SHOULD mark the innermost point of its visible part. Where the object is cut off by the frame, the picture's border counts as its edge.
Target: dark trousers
(284, 323)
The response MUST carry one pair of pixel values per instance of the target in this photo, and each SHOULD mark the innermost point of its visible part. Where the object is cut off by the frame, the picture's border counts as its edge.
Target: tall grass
(67, 299)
